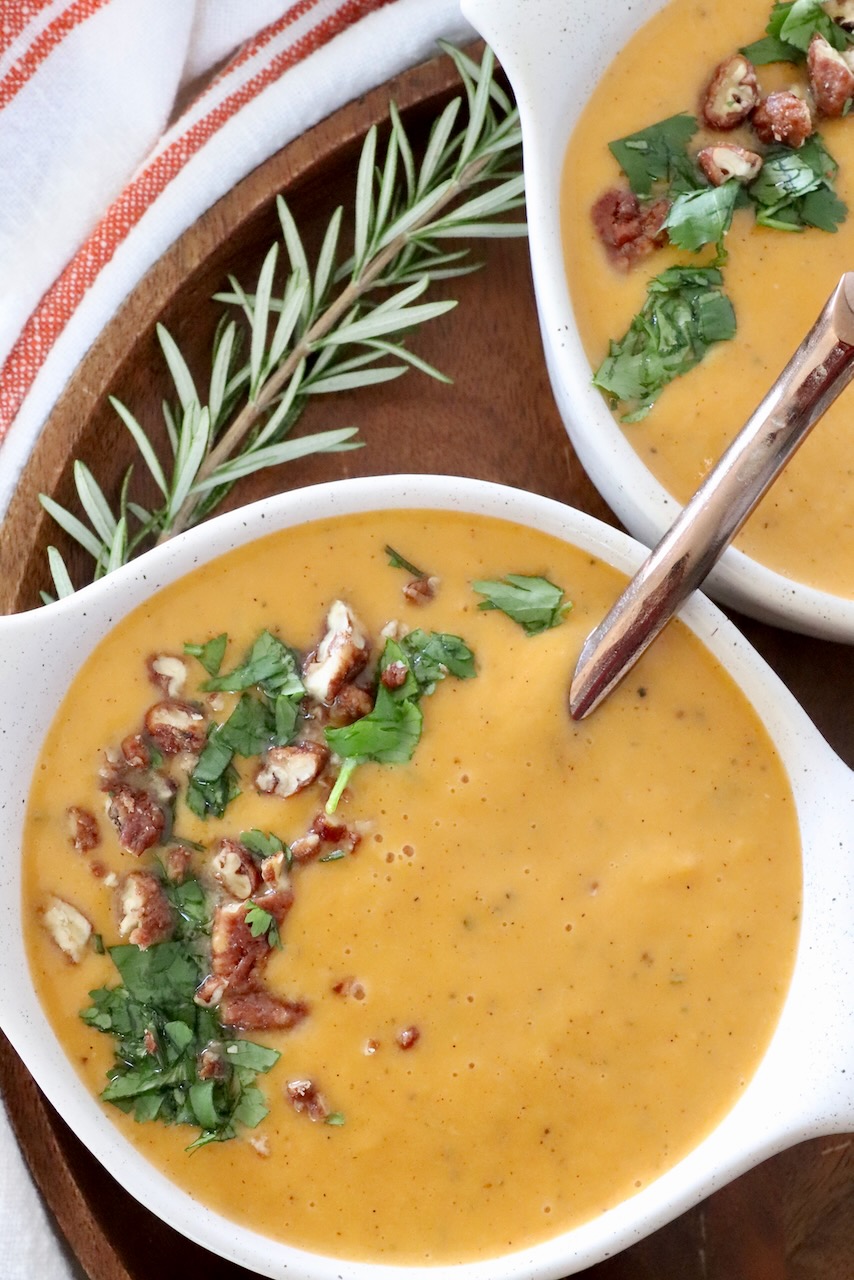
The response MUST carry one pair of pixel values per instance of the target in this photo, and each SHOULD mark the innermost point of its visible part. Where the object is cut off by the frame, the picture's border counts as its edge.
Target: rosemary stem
(251, 412)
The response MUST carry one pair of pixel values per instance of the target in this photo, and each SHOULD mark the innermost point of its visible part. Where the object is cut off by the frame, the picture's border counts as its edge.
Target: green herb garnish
(658, 154)
(261, 922)
(697, 218)
(535, 603)
(264, 844)
(269, 664)
(790, 29)
(795, 189)
(685, 312)
(397, 561)
(210, 654)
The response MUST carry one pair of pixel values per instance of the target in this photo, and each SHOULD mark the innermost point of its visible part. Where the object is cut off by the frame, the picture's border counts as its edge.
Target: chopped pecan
(68, 927)
(306, 1098)
(841, 11)
(135, 751)
(235, 869)
(210, 992)
(138, 818)
(210, 1063)
(629, 230)
(176, 726)
(350, 703)
(333, 831)
(341, 654)
(731, 94)
(260, 1010)
(725, 160)
(168, 672)
(394, 675)
(235, 955)
(783, 117)
(287, 770)
(176, 863)
(83, 830)
(830, 76)
(408, 1037)
(305, 847)
(421, 590)
(146, 916)
(274, 871)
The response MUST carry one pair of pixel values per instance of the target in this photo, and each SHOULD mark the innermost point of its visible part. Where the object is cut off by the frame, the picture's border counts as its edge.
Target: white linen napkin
(96, 183)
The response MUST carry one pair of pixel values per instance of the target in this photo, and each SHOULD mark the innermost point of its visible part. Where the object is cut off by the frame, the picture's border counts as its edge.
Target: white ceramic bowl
(555, 52)
(800, 1088)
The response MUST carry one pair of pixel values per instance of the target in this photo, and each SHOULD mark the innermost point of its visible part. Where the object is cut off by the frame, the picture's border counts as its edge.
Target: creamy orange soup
(777, 281)
(591, 927)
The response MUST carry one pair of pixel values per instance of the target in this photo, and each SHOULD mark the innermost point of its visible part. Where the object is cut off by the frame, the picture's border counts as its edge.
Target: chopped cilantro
(433, 655)
(795, 189)
(262, 922)
(335, 1118)
(535, 603)
(790, 29)
(388, 734)
(657, 154)
(270, 665)
(685, 312)
(190, 907)
(335, 856)
(397, 561)
(159, 1034)
(210, 654)
(264, 844)
(696, 218)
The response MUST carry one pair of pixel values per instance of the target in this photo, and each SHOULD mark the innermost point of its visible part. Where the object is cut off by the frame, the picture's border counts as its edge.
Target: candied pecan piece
(138, 818)
(421, 590)
(394, 675)
(260, 1010)
(168, 672)
(408, 1037)
(725, 160)
(235, 869)
(783, 117)
(305, 847)
(306, 1098)
(629, 230)
(210, 1063)
(68, 927)
(176, 863)
(287, 770)
(841, 11)
(350, 703)
(831, 78)
(210, 992)
(333, 831)
(146, 916)
(341, 654)
(731, 94)
(135, 751)
(175, 726)
(235, 955)
(83, 830)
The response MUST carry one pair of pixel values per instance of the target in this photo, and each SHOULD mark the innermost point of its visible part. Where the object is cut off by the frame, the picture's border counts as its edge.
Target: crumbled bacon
(306, 1098)
(168, 672)
(235, 955)
(146, 916)
(138, 819)
(83, 829)
(235, 869)
(287, 770)
(260, 1010)
(629, 230)
(731, 94)
(175, 726)
(340, 656)
(783, 117)
(408, 1037)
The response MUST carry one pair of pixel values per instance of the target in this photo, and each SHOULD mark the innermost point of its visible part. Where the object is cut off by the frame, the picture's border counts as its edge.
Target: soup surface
(552, 960)
(778, 282)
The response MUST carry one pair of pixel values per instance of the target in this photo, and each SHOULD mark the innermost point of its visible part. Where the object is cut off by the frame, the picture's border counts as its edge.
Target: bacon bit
(176, 863)
(841, 11)
(394, 675)
(349, 704)
(260, 1010)
(168, 672)
(98, 869)
(783, 117)
(276, 902)
(340, 656)
(68, 927)
(830, 76)
(235, 869)
(287, 770)
(210, 1063)
(408, 1037)
(135, 751)
(306, 847)
(349, 986)
(305, 1097)
(731, 94)
(176, 726)
(83, 830)
(138, 819)
(421, 590)
(146, 913)
(628, 230)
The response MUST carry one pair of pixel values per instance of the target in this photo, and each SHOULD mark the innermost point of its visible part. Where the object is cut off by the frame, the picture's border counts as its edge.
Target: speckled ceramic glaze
(801, 1087)
(554, 52)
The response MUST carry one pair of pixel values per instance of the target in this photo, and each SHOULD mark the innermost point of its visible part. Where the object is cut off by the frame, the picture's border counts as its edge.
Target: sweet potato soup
(482, 993)
(777, 281)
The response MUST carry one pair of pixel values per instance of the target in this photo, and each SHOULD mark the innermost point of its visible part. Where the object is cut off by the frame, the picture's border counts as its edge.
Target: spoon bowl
(803, 1085)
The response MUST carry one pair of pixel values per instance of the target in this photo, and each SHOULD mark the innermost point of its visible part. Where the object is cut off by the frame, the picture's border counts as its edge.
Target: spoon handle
(820, 369)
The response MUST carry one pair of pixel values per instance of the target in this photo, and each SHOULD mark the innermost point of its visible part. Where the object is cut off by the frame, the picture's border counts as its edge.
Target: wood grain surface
(792, 1218)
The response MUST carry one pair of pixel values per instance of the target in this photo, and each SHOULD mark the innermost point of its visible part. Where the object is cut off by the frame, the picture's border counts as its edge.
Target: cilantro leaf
(770, 49)
(795, 189)
(397, 561)
(684, 313)
(658, 154)
(388, 734)
(262, 843)
(270, 665)
(535, 603)
(702, 217)
(210, 654)
(433, 655)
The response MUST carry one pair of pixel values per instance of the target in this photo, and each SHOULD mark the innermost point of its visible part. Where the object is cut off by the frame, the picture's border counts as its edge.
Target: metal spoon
(817, 373)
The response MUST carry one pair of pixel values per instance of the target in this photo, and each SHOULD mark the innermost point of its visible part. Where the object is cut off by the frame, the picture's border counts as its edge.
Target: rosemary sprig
(333, 327)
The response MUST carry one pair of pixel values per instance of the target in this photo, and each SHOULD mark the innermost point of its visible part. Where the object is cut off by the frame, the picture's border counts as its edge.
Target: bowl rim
(756, 1125)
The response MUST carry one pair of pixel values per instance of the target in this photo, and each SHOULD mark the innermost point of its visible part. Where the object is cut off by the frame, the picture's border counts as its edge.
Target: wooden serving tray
(793, 1216)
